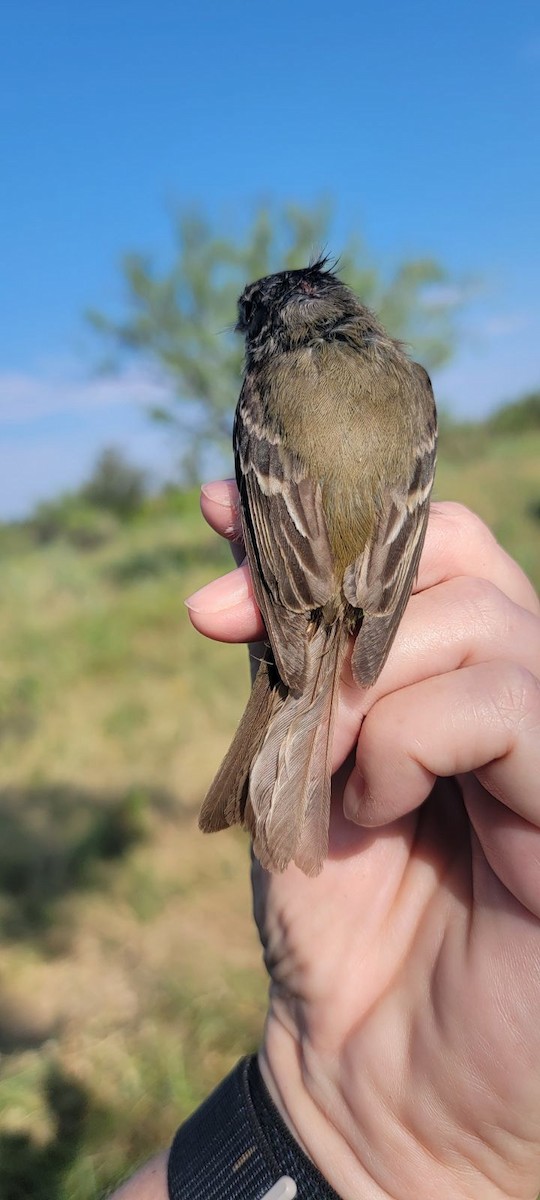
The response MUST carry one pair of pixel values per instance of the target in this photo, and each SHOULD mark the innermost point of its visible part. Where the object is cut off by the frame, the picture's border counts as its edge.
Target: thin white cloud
(25, 398)
(39, 467)
(449, 295)
(505, 324)
(53, 424)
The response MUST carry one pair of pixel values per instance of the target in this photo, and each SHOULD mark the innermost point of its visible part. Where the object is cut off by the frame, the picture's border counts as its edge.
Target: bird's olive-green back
(351, 416)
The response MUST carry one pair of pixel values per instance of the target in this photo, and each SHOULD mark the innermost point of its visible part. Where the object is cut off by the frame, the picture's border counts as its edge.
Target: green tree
(518, 416)
(181, 317)
(88, 517)
(115, 484)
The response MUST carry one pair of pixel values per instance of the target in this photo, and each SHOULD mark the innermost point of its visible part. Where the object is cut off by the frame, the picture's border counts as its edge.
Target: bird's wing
(285, 535)
(381, 579)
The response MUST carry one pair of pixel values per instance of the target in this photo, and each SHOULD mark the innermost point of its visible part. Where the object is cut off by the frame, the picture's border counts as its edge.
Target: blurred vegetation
(115, 485)
(89, 517)
(118, 1005)
(178, 317)
(463, 440)
(130, 976)
(71, 518)
(518, 416)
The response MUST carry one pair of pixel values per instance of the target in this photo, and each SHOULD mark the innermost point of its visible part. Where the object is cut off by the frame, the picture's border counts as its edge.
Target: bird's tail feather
(276, 776)
(288, 804)
(225, 801)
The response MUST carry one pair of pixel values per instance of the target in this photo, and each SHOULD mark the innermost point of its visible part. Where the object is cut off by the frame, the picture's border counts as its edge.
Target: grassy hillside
(130, 976)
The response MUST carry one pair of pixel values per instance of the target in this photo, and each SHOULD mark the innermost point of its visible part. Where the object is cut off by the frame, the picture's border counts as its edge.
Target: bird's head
(293, 308)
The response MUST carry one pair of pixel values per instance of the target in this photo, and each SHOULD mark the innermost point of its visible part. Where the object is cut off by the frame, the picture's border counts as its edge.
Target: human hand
(403, 1042)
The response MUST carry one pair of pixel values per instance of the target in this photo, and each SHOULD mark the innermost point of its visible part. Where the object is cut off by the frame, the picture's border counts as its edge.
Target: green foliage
(19, 707)
(181, 317)
(15, 538)
(88, 518)
(30, 1169)
(75, 521)
(115, 485)
(54, 840)
(463, 441)
(518, 416)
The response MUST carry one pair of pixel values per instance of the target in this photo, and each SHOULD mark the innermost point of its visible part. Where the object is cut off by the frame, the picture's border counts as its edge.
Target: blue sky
(421, 120)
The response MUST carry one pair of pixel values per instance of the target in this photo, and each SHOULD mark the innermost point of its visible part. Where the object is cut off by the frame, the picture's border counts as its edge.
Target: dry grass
(130, 975)
(119, 1004)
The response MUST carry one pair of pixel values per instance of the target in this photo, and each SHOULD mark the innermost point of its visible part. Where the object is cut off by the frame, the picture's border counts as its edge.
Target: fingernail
(220, 491)
(213, 597)
(354, 796)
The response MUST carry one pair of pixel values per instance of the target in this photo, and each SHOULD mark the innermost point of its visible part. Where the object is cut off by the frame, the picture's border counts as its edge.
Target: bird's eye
(247, 311)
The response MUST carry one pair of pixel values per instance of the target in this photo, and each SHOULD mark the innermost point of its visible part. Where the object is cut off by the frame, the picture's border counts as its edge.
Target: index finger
(459, 543)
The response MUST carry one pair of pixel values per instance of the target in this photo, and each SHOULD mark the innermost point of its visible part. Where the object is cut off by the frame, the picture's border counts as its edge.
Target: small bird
(335, 444)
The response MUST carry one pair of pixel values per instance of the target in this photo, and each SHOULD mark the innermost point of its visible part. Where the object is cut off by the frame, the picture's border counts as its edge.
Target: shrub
(80, 524)
(115, 485)
(518, 416)
(461, 441)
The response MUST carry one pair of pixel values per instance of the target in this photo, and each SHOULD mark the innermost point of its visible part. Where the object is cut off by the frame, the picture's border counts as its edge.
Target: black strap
(236, 1146)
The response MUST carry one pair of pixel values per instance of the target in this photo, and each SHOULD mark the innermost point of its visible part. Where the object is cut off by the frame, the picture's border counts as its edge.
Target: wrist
(373, 1159)
(307, 1103)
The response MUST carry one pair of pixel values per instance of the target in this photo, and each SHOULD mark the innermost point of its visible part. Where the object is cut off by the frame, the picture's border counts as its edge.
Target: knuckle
(484, 606)
(372, 731)
(467, 524)
(471, 528)
(518, 699)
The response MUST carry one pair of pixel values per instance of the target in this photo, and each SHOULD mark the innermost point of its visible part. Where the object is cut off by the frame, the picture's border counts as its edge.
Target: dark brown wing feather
(285, 535)
(381, 580)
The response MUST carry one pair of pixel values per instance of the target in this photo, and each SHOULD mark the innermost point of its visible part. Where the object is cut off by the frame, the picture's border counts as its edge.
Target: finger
(483, 718)
(459, 623)
(509, 842)
(462, 623)
(457, 543)
(220, 506)
(226, 609)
